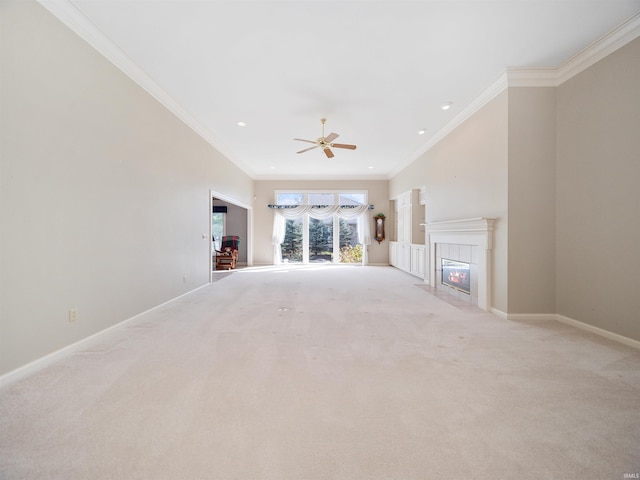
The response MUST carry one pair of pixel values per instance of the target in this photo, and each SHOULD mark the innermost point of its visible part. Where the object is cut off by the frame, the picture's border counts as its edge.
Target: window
(290, 198)
(316, 240)
(218, 225)
(321, 199)
(352, 199)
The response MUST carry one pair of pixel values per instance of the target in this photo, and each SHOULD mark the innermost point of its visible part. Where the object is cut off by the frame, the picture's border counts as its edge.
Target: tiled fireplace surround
(468, 241)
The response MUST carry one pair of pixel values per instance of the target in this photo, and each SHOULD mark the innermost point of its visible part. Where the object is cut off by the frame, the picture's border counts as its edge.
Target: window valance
(321, 211)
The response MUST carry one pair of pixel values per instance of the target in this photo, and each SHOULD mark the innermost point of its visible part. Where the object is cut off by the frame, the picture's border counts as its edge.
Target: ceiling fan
(325, 142)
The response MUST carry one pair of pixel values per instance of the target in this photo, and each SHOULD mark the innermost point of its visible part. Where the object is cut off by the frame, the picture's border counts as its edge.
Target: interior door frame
(249, 243)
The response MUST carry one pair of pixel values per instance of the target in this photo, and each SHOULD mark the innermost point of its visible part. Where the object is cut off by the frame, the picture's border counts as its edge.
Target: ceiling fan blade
(328, 152)
(342, 145)
(331, 137)
(307, 149)
(303, 140)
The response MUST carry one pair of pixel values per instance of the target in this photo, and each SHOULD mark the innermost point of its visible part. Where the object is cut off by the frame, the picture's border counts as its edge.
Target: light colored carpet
(327, 373)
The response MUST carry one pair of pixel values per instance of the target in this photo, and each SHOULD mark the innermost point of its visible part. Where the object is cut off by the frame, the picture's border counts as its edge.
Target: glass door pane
(350, 249)
(292, 244)
(320, 240)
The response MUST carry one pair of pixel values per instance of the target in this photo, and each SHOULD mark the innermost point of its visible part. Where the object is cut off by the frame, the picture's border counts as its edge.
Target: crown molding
(553, 77)
(625, 33)
(531, 77)
(88, 31)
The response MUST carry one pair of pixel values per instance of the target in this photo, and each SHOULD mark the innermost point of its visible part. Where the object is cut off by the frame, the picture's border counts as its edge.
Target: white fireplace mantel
(470, 231)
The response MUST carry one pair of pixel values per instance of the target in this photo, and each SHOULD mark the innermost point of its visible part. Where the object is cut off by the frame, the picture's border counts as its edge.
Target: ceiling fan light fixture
(325, 143)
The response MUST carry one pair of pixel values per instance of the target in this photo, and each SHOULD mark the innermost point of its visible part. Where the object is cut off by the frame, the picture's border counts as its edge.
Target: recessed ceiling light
(242, 124)
(421, 132)
(370, 168)
(446, 106)
(272, 167)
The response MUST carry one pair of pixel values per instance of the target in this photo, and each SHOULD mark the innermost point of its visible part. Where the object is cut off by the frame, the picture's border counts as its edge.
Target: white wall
(105, 193)
(465, 175)
(263, 216)
(598, 253)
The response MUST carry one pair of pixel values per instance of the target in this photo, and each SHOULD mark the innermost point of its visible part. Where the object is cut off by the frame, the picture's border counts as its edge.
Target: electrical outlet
(184, 279)
(73, 314)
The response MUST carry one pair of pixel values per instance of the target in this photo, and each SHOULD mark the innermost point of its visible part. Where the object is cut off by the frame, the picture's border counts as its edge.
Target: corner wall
(532, 200)
(104, 192)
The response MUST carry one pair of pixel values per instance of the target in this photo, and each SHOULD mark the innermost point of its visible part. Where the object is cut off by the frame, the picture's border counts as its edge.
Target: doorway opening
(229, 217)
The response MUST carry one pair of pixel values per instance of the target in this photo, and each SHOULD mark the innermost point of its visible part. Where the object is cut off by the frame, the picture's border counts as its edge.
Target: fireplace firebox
(456, 275)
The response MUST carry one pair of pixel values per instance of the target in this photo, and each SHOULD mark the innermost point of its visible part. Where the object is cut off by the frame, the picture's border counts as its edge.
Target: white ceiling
(379, 71)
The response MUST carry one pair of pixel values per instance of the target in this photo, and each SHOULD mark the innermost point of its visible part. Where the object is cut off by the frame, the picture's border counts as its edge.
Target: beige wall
(465, 175)
(598, 253)
(104, 192)
(263, 216)
(532, 200)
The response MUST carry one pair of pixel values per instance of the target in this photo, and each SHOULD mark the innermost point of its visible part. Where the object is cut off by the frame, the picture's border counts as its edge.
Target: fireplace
(456, 275)
(463, 243)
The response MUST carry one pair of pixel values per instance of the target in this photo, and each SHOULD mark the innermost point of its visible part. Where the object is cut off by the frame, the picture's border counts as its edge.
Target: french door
(329, 240)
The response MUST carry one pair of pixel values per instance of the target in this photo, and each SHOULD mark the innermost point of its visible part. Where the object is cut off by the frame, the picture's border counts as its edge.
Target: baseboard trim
(545, 317)
(497, 312)
(42, 362)
(537, 317)
(630, 342)
(532, 317)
